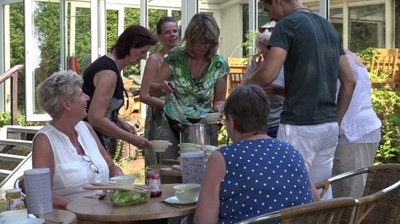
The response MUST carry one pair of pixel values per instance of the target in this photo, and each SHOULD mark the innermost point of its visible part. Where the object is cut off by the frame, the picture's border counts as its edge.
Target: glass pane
(366, 24)
(397, 23)
(132, 16)
(112, 28)
(13, 30)
(46, 39)
(78, 53)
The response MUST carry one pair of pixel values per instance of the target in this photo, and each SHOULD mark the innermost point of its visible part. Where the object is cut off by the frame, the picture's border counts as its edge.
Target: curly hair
(60, 85)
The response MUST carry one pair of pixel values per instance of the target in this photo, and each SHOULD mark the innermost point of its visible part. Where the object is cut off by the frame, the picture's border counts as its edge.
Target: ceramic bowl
(187, 192)
(123, 180)
(188, 147)
(212, 118)
(160, 145)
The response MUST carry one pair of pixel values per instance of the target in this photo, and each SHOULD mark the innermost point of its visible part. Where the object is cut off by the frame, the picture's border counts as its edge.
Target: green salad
(127, 197)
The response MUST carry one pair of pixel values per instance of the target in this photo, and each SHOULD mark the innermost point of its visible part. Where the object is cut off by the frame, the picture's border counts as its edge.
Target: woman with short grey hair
(256, 174)
(276, 91)
(66, 145)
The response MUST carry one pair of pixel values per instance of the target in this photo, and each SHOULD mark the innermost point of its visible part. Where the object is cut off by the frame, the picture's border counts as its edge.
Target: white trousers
(350, 157)
(317, 145)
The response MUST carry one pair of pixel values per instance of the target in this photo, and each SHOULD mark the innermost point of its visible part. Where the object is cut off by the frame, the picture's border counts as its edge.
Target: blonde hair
(60, 85)
(202, 25)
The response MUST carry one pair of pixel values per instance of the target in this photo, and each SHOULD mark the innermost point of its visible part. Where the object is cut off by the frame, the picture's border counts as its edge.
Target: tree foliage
(47, 38)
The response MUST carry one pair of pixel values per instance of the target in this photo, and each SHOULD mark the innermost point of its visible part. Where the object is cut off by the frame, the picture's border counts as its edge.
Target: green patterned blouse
(195, 95)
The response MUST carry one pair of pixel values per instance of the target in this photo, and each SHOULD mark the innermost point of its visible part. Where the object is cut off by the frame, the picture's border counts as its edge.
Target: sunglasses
(262, 29)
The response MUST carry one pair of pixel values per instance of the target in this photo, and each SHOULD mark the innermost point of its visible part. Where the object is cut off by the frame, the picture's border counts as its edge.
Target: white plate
(178, 167)
(33, 221)
(175, 200)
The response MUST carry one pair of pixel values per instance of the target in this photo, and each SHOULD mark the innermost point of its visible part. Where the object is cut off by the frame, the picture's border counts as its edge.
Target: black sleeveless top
(101, 64)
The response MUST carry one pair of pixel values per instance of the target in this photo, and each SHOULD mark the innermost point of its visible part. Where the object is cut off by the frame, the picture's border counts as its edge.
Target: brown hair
(135, 36)
(202, 25)
(249, 108)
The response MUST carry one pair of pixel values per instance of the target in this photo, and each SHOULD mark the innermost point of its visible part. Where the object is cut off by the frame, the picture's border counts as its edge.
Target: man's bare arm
(270, 69)
(347, 85)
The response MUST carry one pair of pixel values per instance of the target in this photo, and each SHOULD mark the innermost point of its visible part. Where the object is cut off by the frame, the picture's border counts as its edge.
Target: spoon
(116, 187)
(171, 204)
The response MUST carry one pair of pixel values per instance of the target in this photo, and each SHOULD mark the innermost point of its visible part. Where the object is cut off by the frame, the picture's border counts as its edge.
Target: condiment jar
(154, 183)
(13, 199)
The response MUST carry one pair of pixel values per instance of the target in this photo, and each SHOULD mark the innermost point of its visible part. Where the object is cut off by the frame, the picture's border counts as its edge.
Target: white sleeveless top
(71, 171)
(360, 123)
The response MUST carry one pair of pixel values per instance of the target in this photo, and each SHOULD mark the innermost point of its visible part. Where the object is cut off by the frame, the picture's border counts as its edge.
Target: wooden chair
(336, 211)
(238, 67)
(379, 177)
(380, 207)
(385, 63)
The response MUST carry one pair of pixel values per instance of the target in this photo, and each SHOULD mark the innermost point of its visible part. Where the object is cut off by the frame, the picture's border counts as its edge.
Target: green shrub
(386, 103)
(5, 119)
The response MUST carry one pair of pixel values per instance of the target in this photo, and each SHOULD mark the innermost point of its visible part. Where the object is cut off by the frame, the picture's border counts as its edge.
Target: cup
(187, 192)
(192, 167)
(14, 216)
(123, 180)
(38, 191)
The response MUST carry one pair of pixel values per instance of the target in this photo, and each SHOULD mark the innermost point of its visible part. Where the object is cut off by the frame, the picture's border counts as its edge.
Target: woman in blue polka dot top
(256, 174)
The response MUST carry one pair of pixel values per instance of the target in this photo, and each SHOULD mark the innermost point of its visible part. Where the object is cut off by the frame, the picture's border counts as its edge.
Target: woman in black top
(103, 83)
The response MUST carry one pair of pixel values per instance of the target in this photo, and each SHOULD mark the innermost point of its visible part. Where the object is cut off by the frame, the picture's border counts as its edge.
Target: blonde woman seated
(66, 145)
(256, 174)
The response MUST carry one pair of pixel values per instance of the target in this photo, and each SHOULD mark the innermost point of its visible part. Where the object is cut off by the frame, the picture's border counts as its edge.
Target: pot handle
(179, 128)
(220, 126)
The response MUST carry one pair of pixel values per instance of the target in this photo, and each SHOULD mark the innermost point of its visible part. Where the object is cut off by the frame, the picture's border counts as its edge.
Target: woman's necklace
(196, 75)
(301, 9)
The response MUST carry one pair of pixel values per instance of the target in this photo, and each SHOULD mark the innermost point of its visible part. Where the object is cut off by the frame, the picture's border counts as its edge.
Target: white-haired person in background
(276, 91)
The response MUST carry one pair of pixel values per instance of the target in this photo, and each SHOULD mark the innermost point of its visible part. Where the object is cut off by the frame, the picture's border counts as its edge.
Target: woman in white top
(66, 145)
(359, 134)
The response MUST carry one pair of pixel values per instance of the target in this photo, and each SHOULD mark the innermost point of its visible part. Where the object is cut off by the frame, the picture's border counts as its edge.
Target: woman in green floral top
(196, 75)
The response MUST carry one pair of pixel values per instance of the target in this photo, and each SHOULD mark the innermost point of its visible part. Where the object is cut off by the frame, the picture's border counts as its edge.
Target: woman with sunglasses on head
(66, 145)
(276, 91)
(168, 35)
(193, 76)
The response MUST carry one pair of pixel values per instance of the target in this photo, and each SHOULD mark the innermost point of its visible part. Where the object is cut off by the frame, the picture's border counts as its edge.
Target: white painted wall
(231, 31)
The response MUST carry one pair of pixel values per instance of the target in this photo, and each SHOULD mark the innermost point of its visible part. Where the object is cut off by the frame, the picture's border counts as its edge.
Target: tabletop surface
(172, 172)
(92, 209)
(59, 215)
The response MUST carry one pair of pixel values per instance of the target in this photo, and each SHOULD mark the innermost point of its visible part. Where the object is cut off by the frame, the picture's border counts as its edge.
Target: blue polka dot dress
(262, 176)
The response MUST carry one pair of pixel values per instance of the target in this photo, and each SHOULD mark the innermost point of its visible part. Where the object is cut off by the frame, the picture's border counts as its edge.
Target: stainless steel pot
(202, 134)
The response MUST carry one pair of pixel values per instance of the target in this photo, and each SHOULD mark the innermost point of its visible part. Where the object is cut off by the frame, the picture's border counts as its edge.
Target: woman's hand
(140, 142)
(256, 61)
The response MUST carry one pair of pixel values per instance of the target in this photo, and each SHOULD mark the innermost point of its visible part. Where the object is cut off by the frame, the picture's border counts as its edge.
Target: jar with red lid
(154, 182)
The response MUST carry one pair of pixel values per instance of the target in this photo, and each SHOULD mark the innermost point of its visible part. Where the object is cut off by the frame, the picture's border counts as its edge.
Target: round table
(59, 215)
(91, 209)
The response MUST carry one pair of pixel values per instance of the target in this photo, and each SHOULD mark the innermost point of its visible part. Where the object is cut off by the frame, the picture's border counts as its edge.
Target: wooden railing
(13, 74)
